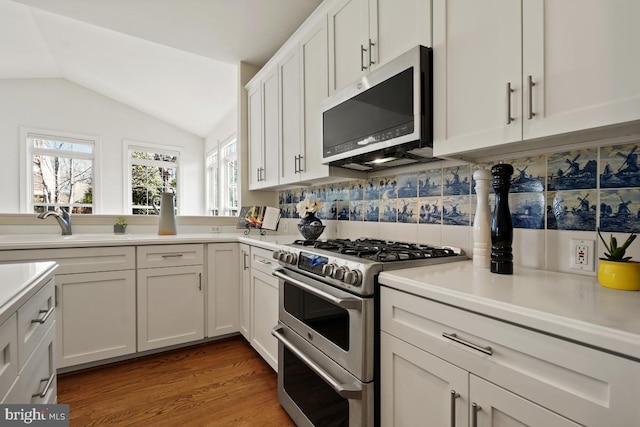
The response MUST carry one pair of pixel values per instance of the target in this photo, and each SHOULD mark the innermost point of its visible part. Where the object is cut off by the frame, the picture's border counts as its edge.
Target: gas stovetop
(353, 265)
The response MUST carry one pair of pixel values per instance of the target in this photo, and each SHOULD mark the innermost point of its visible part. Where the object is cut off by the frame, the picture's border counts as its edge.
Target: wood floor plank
(223, 383)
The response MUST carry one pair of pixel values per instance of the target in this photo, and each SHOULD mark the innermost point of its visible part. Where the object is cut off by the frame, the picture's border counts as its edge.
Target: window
(61, 173)
(152, 171)
(222, 179)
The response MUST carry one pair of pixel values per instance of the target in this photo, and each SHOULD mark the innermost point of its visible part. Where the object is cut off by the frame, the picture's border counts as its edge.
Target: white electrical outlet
(285, 226)
(582, 255)
(216, 229)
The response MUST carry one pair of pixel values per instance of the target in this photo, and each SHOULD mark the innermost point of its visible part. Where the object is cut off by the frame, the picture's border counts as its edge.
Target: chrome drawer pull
(509, 92)
(44, 318)
(265, 262)
(530, 85)
(474, 414)
(172, 256)
(456, 338)
(47, 386)
(454, 396)
(347, 391)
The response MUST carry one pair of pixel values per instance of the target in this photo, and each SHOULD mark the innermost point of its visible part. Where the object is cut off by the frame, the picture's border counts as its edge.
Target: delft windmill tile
(297, 196)
(372, 189)
(408, 210)
(572, 170)
(357, 189)
(328, 211)
(572, 210)
(430, 210)
(332, 192)
(388, 210)
(527, 210)
(280, 198)
(619, 166)
(408, 185)
(457, 181)
(323, 194)
(342, 208)
(371, 211)
(528, 174)
(455, 210)
(430, 183)
(388, 187)
(478, 166)
(356, 210)
(342, 191)
(620, 210)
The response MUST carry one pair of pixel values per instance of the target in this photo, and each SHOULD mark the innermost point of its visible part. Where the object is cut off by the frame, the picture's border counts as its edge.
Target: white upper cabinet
(254, 97)
(582, 57)
(291, 121)
(510, 71)
(364, 34)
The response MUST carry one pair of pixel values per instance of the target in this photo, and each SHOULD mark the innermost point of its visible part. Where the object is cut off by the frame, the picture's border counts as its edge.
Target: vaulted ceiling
(173, 59)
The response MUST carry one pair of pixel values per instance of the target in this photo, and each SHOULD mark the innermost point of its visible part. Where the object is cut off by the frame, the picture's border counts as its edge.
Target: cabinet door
(348, 33)
(290, 131)
(477, 52)
(223, 289)
(395, 27)
(170, 306)
(254, 99)
(315, 88)
(271, 117)
(245, 292)
(95, 316)
(264, 310)
(416, 386)
(497, 407)
(585, 73)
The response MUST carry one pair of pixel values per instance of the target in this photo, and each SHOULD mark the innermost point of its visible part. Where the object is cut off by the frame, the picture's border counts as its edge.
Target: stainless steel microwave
(384, 119)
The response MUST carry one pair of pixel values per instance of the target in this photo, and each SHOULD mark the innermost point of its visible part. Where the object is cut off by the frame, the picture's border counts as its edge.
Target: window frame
(26, 164)
(217, 150)
(131, 145)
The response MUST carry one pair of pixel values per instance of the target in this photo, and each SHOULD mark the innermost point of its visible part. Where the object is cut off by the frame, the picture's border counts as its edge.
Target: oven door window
(315, 398)
(329, 320)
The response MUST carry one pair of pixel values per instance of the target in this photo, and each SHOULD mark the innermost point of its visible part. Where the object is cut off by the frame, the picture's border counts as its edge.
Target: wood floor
(223, 383)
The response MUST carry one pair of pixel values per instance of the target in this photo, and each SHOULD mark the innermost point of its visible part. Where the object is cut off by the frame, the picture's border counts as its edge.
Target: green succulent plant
(121, 221)
(615, 252)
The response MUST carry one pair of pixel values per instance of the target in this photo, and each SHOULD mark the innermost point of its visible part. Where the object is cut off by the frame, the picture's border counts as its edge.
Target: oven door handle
(346, 303)
(346, 391)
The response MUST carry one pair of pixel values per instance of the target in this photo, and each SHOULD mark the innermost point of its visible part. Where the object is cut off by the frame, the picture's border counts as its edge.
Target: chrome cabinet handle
(295, 164)
(371, 44)
(44, 318)
(362, 51)
(454, 396)
(474, 414)
(199, 281)
(172, 256)
(55, 294)
(509, 92)
(347, 391)
(346, 303)
(454, 337)
(264, 261)
(530, 85)
(300, 170)
(244, 260)
(47, 386)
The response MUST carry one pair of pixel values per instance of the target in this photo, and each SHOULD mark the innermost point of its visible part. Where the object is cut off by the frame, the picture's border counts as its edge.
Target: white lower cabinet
(445, 366)
(223, 290)
(170, 299)
(264, 305)
(245, 291)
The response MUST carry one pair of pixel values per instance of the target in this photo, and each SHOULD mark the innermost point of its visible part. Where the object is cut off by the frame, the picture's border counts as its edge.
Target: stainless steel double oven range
(328, 325)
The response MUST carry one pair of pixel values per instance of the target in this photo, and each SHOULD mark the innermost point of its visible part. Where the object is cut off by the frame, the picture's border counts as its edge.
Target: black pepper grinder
(501, 227)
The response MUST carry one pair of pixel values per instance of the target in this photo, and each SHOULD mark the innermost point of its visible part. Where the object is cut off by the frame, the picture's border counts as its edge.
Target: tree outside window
(62, 174)
(151, 173)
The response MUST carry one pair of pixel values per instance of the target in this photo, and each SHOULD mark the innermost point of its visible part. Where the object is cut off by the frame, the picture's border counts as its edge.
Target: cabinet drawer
(170, 255)
(8, 355)
(37, 381)
(584, 384)
(79, 260)
(35, 318)
(262, 260)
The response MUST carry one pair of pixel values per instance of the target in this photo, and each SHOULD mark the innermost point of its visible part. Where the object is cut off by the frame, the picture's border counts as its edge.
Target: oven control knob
(353, 277)
(291, 258)
(328, 269)
(339, 273)
(276, 255)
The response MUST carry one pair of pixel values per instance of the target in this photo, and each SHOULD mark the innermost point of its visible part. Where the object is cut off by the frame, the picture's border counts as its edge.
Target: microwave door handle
(346, 391)
(346, 303)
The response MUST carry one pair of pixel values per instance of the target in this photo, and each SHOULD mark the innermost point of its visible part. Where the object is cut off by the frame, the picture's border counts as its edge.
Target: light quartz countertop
(20, 282)
(44, 241)
(570, 306)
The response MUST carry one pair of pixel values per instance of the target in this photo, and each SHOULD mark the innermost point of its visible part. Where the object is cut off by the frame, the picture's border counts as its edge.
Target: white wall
(226, 127)
(59, 105)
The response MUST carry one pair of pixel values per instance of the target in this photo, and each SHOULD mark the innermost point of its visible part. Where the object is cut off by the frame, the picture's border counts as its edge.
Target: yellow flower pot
(619, 275)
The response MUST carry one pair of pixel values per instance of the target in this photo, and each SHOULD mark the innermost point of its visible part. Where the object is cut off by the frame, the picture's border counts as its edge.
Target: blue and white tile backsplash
(569, 190)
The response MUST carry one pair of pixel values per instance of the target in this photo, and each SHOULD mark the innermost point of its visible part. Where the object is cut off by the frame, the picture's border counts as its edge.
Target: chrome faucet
(64, 220)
